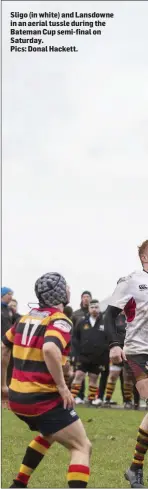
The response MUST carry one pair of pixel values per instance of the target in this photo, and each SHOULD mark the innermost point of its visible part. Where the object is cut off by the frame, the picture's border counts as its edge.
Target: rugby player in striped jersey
(38, 394)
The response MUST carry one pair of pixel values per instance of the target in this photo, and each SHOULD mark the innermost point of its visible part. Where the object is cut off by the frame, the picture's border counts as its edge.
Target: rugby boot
(134, 477)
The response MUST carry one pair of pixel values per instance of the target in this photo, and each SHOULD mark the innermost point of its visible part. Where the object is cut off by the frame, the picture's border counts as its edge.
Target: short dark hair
(86, 292)
(94, 301)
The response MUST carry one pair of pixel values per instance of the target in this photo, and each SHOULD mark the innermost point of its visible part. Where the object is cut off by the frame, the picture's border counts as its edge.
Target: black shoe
(111, 403)
(134, 477)
(88, 402)
(18, 484)
(136, 406)
(128, 405)
(107, 404)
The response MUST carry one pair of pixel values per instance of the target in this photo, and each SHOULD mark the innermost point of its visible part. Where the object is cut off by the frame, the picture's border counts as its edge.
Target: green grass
(112, 433)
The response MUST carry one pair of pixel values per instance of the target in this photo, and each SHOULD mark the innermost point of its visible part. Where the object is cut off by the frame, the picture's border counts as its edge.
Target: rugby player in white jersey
(131, 294)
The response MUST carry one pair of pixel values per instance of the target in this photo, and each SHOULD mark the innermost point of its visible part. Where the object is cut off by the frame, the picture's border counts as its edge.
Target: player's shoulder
(130, 276)
(136, 275)
(24, 318)
(124, 280)
(139, 276)
(60, 321)
(132, 279)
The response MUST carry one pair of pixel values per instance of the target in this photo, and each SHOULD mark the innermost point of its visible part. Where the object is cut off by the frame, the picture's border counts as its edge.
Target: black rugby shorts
(51, 421)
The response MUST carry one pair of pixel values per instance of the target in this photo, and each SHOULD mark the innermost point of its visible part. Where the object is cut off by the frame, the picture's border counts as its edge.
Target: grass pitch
(113, 436)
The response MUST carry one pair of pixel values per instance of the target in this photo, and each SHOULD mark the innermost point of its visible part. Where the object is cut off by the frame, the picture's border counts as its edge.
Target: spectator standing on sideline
(6, 322)
(77, 316)
(84, 307)
(6, 297)
(15, 316)
(93, 350)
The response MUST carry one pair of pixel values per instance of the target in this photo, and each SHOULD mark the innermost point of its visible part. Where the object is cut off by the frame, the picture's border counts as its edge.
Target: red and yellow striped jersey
(32, 390)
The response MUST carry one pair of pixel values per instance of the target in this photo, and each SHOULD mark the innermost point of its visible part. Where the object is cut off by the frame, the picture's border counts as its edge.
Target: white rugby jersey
(131, 294)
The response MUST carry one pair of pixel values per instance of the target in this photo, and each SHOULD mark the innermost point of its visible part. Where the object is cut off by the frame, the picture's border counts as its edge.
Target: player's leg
(77, 382)
(141, 445)
(69, 431)
(103, 383)
(138, 366)
(104, 373)
(82, 390)
(142, 388)
(35, 452)
(68, 374)
(135, 473)
(114, 373)
(127, 388)
(93, 385)
(136, 398)
(34, 455)
(74, 363)
(74, 438)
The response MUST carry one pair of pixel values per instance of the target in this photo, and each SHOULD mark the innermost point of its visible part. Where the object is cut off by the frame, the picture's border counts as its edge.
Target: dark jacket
(6, 320)
(6, 323)
(15, 317)
(90, 340)
(78, 315)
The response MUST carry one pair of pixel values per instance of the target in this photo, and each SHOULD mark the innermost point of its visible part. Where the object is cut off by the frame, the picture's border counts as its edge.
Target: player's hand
(67, 397)
(5, 391)
(117, 355)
